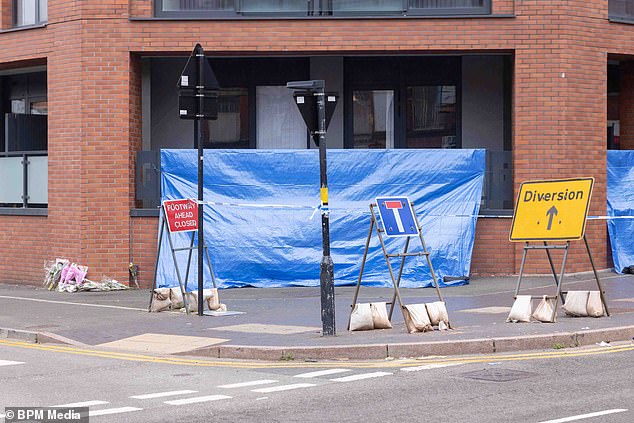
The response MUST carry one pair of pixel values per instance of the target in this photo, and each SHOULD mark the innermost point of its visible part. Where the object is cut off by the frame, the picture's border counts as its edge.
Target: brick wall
(92, 51)
(493, 254)
(6, 15)
(144, 234)
(24, 246)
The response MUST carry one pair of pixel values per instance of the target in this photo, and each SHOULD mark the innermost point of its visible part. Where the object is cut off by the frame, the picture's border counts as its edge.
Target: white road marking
(9, 363)
(429, 367)
(323, 373)
(163, 394)
(252, 383)
(283, 388)
(261, 398)
(72, 303)
(585, 416)
(361, 376)
(197, 400)
(112, 411)
(81, 404)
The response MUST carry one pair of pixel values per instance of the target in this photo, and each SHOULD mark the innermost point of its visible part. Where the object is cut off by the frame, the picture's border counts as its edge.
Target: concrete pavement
(284, 323)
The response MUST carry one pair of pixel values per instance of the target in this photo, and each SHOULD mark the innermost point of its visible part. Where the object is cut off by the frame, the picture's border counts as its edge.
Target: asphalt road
(548, 386)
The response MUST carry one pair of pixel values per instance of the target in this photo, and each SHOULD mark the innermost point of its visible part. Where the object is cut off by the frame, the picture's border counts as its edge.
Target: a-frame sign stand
(538, 203)
(399, 220)
(179, 216)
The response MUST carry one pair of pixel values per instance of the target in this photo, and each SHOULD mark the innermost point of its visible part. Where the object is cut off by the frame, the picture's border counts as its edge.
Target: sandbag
(192, 299)
(437, 312)
(576, 303)
(177, 298)
(213, 301)
(379, 316)
(521, 310)
(160, 300)
(416, 318)
(544, 310)
(594, 306)
(361, 317)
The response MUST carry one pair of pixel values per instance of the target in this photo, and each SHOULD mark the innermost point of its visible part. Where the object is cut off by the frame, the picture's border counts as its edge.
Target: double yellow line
(400, 363)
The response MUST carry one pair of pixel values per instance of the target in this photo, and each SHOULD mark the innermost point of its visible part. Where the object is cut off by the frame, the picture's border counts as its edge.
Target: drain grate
(498, 375)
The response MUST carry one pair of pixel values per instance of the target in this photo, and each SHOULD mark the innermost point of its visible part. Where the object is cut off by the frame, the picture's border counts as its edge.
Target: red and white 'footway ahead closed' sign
(181, 215)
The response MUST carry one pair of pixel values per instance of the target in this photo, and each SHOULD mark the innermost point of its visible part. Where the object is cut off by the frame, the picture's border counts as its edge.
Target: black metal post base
(327, 282)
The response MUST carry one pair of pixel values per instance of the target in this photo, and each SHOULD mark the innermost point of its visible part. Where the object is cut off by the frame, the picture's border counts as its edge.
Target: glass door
(373, 119)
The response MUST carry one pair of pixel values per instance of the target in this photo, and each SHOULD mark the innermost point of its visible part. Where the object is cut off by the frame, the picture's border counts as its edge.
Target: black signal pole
(326, 267)
(197, 101)
(200, 96)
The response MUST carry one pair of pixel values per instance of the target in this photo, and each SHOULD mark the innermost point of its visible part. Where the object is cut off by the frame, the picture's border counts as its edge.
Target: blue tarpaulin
(621, 203)
(263, 228)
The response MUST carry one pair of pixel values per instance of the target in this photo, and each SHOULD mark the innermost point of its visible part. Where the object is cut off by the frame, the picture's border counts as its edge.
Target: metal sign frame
(559, 279)
(183, 285)
(552, 197)
(395, 280)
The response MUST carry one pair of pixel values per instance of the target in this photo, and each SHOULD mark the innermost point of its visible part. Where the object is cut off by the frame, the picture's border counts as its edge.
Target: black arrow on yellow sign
(551, 213)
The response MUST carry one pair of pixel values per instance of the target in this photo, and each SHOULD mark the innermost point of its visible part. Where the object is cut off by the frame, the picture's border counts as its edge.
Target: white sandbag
(521, 310)
(442, 326)
(437, 312)
(192, 301)
(361, 317)
(213, 302)
(576, 303)
(416, 318)
(544, 310)
(177, 298)
(379, 316)
(594, 306)
(160, 300)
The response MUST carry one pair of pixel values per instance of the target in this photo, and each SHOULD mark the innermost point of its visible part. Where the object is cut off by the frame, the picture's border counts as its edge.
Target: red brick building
(85, 86)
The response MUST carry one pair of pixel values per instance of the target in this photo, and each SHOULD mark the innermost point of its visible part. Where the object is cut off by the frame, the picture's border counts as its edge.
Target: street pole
(200, 56)
(326, 268)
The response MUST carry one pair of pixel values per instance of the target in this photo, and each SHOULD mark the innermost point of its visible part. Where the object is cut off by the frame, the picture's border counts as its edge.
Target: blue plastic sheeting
(254, 244)
(621, 203)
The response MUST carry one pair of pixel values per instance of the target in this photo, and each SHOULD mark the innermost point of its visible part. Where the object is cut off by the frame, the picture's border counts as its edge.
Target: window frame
(38, 21)
(322, 9)
(614, 17)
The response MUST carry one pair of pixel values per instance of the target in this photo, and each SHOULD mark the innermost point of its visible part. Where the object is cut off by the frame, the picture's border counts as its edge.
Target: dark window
(431, 117)
(23, 140)
(621, 9)
(402, 102)
(373, 119)
(231, 129)
(223, 8)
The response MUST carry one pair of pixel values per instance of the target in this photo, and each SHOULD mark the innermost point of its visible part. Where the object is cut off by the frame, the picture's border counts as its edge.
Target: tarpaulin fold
(621, 203)
(252, 243)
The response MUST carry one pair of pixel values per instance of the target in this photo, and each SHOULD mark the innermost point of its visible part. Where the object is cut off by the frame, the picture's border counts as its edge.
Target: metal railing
(25, 179)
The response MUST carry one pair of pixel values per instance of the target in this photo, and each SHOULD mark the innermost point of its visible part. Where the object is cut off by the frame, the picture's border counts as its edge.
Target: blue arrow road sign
(397, 216)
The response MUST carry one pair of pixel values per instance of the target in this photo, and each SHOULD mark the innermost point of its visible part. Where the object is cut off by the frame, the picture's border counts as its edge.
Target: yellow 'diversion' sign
(551, 210)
